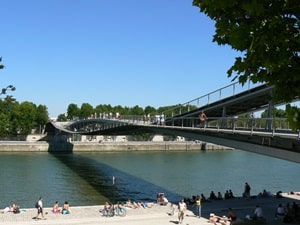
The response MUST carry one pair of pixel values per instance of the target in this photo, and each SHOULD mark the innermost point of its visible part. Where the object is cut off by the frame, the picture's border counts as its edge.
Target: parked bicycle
(120, 211)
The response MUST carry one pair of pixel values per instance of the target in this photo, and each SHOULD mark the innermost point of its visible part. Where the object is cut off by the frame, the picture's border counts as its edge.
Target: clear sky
(121, 52)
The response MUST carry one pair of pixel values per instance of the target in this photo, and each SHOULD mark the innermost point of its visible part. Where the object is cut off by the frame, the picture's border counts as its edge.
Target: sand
(90, 215)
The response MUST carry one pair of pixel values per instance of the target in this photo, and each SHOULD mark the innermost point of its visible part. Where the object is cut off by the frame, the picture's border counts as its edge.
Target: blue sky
(127, 53)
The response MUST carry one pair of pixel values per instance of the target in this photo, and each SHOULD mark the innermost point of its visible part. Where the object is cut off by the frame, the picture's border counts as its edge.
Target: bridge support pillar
(270, 114)
(224, 120)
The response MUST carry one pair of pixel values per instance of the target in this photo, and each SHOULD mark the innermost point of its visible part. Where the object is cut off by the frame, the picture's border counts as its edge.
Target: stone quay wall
(41, 146)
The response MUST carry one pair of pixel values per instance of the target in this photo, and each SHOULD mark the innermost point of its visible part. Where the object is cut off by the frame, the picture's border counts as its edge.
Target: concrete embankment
(40, 146)
(90, 215)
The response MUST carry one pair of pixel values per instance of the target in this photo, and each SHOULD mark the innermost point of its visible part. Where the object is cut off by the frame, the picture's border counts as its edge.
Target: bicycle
(113, 210)
(120, 211)
(108, 210)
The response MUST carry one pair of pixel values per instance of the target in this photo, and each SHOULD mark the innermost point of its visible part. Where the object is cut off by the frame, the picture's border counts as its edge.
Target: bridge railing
(234, 123)
(230, 123)
(266, 124)
(219, 94)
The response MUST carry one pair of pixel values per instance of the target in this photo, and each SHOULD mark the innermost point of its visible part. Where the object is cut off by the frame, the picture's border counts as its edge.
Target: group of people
(55, 209)
(288, 212)
(183, 206)
(229, 194)
(224, 220)
(212, 196)
(232, 216)
(63, 210)
(138, 205)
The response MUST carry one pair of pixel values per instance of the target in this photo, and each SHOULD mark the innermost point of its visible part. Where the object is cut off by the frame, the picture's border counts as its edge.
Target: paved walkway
(89, 215)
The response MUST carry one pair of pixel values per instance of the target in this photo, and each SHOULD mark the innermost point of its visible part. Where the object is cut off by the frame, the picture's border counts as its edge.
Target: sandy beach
(90, 215)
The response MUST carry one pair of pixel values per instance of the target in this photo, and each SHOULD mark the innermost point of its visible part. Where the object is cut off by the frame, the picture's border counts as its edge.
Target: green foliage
(42, 115)
(73, 111)
(276, 113)
(21, 118)
(5, 125)
(62, 118)
(267, 36)
(293, 115)
(149, 110)
(137, 110)
(86, 110)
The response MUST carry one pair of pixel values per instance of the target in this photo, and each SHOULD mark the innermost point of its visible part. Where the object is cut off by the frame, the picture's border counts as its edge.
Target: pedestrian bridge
(268, 136)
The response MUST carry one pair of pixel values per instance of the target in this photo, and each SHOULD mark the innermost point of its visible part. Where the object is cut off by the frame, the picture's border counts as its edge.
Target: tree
(42, 117)
(62, 118)
(103, 109)
(86, 110)
(73, 111)
(137, 110)
(150, 110)
(267, 35)
(24, 118)
(276, 113)
(5, 125)
(293, 114)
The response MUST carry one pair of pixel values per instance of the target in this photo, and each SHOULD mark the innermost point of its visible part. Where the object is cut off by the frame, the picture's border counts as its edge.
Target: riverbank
(42, 146)
(90, 215)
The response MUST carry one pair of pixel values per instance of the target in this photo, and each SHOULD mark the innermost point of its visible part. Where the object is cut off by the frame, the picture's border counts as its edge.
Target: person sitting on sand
(129, 204)
(162, 199)
(165, 201)
(146, 205)
(66, 208)
(5, 210)
(13, 208)
(213, 218)
(106, 209)
(258, 213)
(212, 196)
(217, 219)
(203, 198)
(56, 208)
(220, 197)
(280, 211)
(232, 216)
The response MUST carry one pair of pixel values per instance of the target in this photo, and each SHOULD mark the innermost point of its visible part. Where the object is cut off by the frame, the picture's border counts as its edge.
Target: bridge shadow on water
(100, 177)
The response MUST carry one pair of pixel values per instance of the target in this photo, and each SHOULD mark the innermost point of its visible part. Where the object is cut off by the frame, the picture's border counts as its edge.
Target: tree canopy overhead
(266, 33)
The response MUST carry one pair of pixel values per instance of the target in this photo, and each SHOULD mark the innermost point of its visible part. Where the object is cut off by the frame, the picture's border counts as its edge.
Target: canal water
(93, 178)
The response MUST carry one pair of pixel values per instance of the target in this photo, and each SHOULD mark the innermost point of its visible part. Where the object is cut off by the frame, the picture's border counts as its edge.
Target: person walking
(39, 206)
(202, 118)
(181, 210)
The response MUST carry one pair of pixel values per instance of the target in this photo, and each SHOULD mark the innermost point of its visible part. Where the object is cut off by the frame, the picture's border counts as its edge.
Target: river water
(87, 178)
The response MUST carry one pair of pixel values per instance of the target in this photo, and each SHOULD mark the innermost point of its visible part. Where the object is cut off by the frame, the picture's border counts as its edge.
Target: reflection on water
(87, 178)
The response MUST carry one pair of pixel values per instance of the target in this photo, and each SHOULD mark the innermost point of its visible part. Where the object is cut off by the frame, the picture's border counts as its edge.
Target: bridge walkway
(226, 128)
